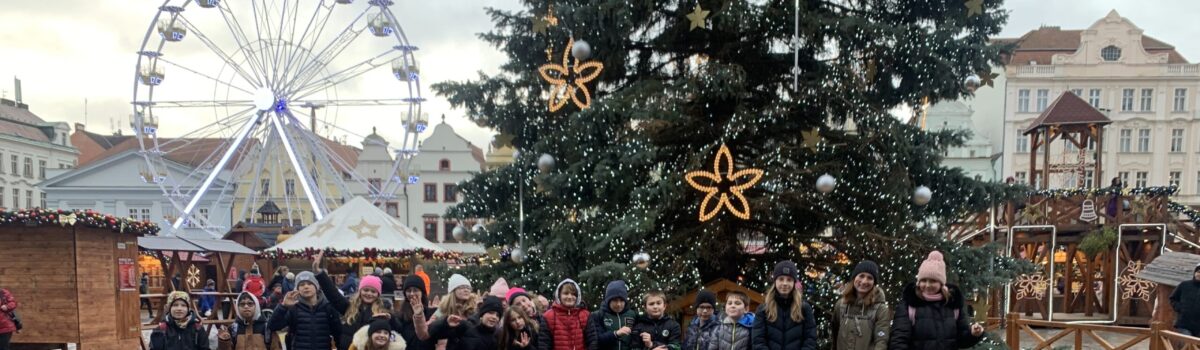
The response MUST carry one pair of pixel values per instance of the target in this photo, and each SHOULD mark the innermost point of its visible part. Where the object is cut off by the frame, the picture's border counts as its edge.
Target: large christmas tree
(679, 81)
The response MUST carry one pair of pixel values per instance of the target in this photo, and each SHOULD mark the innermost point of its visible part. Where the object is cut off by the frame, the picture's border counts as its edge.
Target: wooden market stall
(178, 255)
(721, 287)
(75, 276)
(1166, 272)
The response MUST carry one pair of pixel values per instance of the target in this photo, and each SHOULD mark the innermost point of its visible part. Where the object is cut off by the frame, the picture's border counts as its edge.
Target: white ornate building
(1144, 85)
(29, 147)
(975, 156)
(445, 159)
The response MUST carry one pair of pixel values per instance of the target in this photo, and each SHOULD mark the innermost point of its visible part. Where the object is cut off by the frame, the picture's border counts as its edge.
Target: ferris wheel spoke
(357, 103)
(321, 59)
(309, 191)
(193, 30)
(191, 104)
(261, 24)
(346, 74)
(193, 139)
(239, 36)
(206, 76)
(212, 175)
(318, 146)
(295, 61)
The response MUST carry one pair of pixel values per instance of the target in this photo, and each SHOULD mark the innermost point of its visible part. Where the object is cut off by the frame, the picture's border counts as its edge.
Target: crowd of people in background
(317, 313)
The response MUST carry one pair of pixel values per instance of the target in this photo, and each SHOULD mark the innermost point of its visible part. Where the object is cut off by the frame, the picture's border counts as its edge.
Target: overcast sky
(68, 50)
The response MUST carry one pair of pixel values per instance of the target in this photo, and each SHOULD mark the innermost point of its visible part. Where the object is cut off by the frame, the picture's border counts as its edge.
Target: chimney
(17, 85)
(79, 127)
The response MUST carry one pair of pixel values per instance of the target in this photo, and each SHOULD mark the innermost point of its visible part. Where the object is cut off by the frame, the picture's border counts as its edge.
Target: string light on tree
(724, 186)
(569, 81)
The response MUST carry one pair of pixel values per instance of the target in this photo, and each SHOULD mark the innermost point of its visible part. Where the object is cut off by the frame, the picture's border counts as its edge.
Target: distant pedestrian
(144, 288)
(1186, 302)
(8, 323)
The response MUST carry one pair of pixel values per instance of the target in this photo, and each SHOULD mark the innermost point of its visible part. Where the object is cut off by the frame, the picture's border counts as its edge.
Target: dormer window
(1110, 53)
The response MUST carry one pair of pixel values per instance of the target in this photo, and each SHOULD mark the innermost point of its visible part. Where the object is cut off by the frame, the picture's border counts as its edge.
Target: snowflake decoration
(1031, 286)
(1132, 286)
(193, 276)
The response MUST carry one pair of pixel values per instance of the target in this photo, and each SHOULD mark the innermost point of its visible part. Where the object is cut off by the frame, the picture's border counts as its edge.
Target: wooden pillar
(1012, 332)
(1033, 149)
(1045, 185)
(1098, 132)
(1156, 340)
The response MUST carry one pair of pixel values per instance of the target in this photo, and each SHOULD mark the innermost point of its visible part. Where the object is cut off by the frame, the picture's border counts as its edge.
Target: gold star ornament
(321, 229)
(812, 137)
(364, 230)
(697, 17)
(569, 82)
(723, 186)
(974, 7)
(988, 78)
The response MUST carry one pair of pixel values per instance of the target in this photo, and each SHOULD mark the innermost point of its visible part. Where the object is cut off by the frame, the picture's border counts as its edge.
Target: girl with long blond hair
(358, 309)
(784, 320)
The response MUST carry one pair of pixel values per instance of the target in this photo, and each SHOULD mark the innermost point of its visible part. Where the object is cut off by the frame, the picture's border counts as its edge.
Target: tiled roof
(1068, 109)
(20, 122)
(1042, 44)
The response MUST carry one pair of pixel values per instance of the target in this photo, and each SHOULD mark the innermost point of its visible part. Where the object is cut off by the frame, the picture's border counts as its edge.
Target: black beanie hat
(785, 268)
(378, 324)
(866, 266)
(705, 296)
(1196, 269)
(491, 304)
(413, 281)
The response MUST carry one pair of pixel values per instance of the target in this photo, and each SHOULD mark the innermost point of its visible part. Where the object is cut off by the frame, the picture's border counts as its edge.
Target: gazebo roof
(1068, 109)
(268, 208)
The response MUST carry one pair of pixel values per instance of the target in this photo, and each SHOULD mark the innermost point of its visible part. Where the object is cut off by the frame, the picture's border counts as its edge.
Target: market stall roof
(1171, 268)
(356, 226)
(174, 243)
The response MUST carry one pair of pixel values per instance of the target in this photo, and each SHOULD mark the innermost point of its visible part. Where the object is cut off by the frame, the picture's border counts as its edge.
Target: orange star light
(570, 80)
(724, 186)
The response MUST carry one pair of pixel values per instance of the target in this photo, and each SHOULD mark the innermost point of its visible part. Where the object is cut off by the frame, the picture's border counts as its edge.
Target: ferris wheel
(236, 104)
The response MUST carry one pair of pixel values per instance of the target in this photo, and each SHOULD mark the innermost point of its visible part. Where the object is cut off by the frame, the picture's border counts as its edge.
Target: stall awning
(167, 244)
(221, 246)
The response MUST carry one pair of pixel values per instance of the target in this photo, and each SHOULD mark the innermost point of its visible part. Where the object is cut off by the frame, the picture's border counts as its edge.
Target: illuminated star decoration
(724, 186)
(570, 80)
(363, 229)
(988, 78)
(812, 137)
(541, 23)
(697, 17)
(974, 7)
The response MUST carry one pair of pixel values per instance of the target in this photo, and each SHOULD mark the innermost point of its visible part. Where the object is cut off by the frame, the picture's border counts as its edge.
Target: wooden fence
(1160, 336)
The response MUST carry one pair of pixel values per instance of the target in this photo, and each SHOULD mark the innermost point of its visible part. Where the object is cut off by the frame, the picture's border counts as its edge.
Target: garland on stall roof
(89, 218)
(367, 254)
(1154, 191)
(1192, 214)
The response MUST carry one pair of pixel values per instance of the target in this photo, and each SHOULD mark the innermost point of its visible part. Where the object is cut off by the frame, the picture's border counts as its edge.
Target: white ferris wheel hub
(264, 98)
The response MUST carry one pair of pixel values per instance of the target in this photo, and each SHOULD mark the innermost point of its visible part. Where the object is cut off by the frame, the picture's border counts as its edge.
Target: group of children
(928, 316)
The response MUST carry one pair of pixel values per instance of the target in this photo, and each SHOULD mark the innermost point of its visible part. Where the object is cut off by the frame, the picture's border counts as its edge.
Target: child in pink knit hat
(499, 289)
(931, 312)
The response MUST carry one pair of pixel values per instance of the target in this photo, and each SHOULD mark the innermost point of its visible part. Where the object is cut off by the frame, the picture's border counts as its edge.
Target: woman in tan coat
(861, 317)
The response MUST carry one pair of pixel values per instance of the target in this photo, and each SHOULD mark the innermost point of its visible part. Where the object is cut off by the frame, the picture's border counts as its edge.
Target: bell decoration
(1087, 212)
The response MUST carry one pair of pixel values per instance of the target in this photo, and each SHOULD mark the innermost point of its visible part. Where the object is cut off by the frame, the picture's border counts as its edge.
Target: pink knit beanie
(500, 288)
(933, 268)
(370, 281)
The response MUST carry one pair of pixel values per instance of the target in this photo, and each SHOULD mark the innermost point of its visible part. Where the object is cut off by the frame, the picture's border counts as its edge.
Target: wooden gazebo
(1072, 119)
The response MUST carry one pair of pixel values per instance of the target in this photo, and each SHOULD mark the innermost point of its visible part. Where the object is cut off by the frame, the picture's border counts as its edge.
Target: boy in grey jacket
(733, 333)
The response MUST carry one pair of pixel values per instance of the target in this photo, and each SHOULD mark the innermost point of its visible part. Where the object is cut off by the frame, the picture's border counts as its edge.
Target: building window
(451, 193)
(1124, 175)
(1180, 100)
(1022, 143)
(1020, 177)
(1140, 181)
(1173, 178)
(1147, 99)
(1089, 179)
(145, 214)
(203, 215)
(133, 212)
(1023, 100)
(1043, 98)
(15, 160)
(289, 187)
(2, 197)
(42, 169)
(1, 168)
(28, 167)
(430, 193)
(1110, 53)
(1126, 100)
(1143, 140)
(444, 165)
(393, 209)
(448, 232)
(43, 201)
(375, 185)
(1176, 140)
(1069, 146)
(1126, 136)
(1094, 97)
(1077, 92)
(431, 228)
(264, 187)
(16, 197)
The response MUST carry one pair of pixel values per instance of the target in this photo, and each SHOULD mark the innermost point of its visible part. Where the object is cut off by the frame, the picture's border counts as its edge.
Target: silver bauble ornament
(516, 154)
(518, 255)
(641, 260)
(825, 183)
(582, 50)
(545, 163)
(972, 82)
(478, 229)
(460, 233)
(922, 195)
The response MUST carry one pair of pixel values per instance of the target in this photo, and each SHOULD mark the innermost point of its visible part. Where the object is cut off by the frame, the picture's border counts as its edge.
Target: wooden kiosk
(74, 275)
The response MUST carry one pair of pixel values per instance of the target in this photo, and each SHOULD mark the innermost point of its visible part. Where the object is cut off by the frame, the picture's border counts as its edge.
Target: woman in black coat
(412, 323)
(784, 320)
(931, 314)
